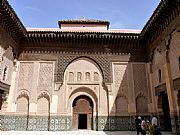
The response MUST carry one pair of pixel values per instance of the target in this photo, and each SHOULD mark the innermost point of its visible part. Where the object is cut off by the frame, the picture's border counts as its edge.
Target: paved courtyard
(79, 132)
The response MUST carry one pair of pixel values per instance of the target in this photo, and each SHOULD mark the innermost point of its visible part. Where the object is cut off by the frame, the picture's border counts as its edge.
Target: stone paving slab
(79, 132)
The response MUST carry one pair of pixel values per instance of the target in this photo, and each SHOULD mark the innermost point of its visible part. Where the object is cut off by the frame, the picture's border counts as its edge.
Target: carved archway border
(86, 92)
(88, 58)
(101, 61)
(122, 95)
(141, 94)
(44, 94)
(23, 93)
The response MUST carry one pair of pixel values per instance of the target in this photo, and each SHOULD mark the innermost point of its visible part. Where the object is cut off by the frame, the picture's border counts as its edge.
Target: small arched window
(79, 76)
(5, 73)
(87, 76)
(96, 76)
(159, 75)
(71, 76)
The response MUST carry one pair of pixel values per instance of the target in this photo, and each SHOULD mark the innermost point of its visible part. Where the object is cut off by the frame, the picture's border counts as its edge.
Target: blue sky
(122, 14)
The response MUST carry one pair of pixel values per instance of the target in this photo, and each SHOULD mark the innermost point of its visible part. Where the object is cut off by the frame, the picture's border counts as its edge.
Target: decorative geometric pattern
(103, 123)
(60, 123)
(140, 79)
(120, 79)
(1, 122)
(64, 60)
(9, 53)
(64, 123)
(25, 76)
(14, 122)
(140, 88)
(116, 123)
(174, 54)
(45, 77)
(35, 123)
(39, 123)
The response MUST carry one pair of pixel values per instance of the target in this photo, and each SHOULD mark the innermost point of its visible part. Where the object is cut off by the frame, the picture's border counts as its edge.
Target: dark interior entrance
(166, 112)
(82, 121)
(1, 100)
(82, 113)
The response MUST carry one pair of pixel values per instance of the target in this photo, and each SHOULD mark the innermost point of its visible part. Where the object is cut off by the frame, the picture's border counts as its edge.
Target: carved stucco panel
(45, 76)
(174, 54)
(120, 79)
(25, 76)
(140, 79)
(9, 53)
(158, 58)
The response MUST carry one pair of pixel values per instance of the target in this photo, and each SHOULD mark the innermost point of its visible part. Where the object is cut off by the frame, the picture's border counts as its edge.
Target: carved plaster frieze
(140, 79)
(44, 94)
(161, 48)
(45, 76)
(122, 94)
(23, 93)
(141, 94)
(9, 53)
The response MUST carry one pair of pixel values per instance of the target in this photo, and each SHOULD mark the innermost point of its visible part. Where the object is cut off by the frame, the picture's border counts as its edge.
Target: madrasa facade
(83, 75)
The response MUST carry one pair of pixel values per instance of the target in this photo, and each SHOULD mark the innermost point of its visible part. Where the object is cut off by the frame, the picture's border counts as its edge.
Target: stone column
(169, 86)
(11, 104)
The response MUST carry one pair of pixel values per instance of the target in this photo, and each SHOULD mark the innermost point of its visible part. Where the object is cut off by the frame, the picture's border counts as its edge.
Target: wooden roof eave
(55, 34)
(166, 6)
(113, 40)
(7, 12)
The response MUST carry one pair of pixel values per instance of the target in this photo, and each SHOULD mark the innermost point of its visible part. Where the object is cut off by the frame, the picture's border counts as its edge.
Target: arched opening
(23, 108)
(43, 110)
(43, 106)
(163, 106)
(141, 104)
(82, 112)
(23, 103)
(121, 106)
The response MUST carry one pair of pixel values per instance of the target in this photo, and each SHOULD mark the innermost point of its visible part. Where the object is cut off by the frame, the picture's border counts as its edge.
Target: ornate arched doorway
(82, 112)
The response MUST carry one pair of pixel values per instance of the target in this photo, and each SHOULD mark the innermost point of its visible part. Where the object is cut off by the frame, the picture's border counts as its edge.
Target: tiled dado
(63, 123)
(116, 123)
(35, 123)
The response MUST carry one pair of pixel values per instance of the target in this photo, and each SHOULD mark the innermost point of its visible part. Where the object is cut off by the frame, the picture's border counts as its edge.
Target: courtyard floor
(78, 132)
